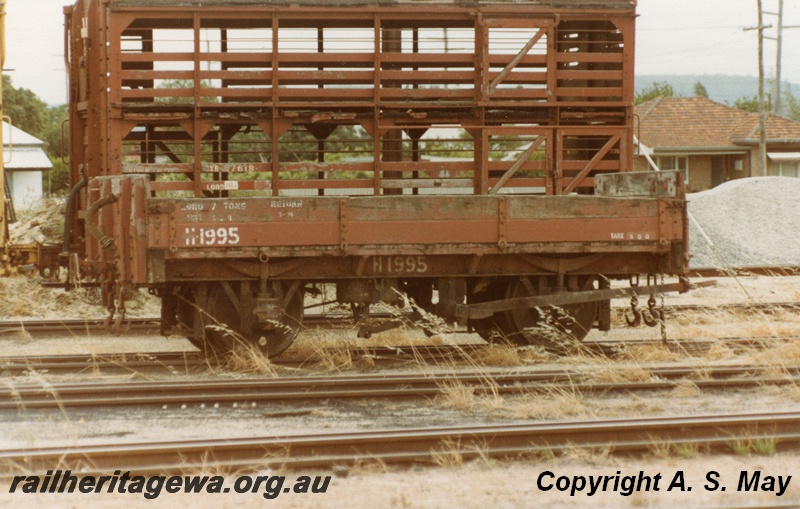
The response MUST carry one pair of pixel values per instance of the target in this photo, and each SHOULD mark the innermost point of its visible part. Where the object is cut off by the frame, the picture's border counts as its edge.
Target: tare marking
(630, 236)
(399, 265)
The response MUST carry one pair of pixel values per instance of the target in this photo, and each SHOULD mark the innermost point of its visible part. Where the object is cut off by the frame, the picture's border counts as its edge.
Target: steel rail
(375, 386)
(194, 361)
(81, 326)
(631, 436)
(188, 362)
(74, 327)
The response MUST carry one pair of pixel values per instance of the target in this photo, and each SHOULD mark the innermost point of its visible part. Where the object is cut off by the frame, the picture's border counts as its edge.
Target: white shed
(25, 162)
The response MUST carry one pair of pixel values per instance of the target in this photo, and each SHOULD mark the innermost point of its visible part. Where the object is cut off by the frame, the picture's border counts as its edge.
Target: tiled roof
(697, 123)
(779, 129)
(689, 123)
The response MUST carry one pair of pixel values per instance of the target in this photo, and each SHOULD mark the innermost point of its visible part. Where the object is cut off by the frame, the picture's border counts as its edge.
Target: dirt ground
(452, 483)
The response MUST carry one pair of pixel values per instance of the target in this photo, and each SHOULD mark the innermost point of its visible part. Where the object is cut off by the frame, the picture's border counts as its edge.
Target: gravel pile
(43, 223)
(753, 222)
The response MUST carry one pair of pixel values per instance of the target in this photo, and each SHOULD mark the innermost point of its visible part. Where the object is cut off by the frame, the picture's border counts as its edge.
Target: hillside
(723, 88)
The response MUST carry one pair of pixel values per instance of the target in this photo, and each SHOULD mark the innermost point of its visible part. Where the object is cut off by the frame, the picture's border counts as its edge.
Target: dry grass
(685, 389)
(247, 358)
(642, 354)
(499, 355)
(29, 298)
(661, 449)
(456, 395)
(32, 300)
(782, 354)
(590, 455)
(337, 349)
(723, 322)
(615, 374)
(554, 404)
(450, 453)
(459, 396)
(719, 352)
(754, 446)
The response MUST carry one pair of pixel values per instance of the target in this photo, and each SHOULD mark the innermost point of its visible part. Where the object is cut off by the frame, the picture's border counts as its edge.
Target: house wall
(26, 188)
(699, 174)
(700, 169)
(640, 164)
(731, 173)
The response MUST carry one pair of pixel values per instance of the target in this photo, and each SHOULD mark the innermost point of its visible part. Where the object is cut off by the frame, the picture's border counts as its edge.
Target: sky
(673, 37)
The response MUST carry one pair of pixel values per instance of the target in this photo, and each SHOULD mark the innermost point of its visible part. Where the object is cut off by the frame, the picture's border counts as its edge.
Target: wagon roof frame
(627, 5)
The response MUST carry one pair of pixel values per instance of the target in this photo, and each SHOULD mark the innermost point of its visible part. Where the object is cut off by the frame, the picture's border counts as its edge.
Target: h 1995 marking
(399, 265)
(212, 236)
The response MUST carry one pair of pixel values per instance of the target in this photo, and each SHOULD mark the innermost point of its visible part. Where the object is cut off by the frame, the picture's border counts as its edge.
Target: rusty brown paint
(238, 148)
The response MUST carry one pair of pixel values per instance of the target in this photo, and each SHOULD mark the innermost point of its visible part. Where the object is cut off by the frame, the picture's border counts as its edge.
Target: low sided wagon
(235, 155)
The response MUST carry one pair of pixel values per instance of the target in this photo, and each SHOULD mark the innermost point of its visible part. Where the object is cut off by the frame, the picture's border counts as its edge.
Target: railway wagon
(235, 157)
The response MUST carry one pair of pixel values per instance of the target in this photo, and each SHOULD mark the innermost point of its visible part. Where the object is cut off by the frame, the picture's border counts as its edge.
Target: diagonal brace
(594, 162)
(516, 60)
(535, 144)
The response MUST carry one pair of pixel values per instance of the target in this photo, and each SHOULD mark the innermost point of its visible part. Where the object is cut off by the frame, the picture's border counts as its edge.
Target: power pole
(762, 111)
(3, 205)
(776, 99)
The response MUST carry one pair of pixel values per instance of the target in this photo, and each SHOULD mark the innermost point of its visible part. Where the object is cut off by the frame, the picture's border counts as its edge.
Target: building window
(784, 168)
(675, 163)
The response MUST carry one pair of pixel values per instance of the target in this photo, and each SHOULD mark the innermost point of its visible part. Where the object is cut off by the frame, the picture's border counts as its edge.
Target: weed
(754, 446)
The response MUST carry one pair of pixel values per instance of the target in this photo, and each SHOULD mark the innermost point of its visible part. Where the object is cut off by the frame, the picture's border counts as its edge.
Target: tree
(57, 146)
(791, 105)
(748, 104)
(654, 91)
(700, 90)
(26, 110)
(32, 115)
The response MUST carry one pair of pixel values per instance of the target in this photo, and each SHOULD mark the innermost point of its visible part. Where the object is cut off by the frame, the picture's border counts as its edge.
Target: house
(711, 142)
(25, 162)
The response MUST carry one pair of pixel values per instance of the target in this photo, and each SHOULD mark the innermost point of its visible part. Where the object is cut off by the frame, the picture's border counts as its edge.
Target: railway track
(410, 445)
(193, 362)
(39, 328)
(304, 389)
(172, 362)
(151, 325)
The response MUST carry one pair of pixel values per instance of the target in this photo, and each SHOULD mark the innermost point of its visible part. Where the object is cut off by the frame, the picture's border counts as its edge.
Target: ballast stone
(752, 222)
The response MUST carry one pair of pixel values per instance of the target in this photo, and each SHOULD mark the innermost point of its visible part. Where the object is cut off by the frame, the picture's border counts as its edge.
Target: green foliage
(26, 110)
(700, 90)
(654, 91)
(32, 115)
(55, 143)
(749, 104)
(791, 105)
(59, 176)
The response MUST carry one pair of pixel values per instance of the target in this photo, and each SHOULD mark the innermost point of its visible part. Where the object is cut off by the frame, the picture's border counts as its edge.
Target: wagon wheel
(421, 292)
(225, 333)
(547, 326)
(493, 328)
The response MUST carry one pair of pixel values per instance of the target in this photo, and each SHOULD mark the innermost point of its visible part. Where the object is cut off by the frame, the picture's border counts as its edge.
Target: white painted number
(212, 236)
